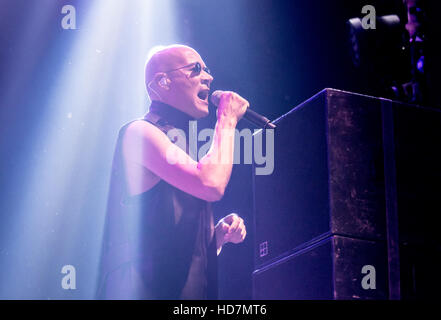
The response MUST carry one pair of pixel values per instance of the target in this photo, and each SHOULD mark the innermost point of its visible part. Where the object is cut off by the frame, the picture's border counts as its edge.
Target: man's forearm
(216, 165)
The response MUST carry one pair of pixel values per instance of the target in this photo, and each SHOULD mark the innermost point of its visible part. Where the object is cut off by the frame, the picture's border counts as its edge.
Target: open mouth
(203, 94)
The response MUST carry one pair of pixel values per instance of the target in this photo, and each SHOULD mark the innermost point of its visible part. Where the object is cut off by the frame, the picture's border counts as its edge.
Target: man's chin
(202, 110)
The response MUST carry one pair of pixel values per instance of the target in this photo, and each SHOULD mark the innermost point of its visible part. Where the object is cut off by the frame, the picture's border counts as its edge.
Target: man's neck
(170, 114)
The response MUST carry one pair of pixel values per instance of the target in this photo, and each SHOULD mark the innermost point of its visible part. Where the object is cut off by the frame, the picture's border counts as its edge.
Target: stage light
(95, 83)
(369, 45)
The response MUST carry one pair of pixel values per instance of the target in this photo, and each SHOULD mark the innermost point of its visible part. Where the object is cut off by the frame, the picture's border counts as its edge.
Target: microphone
(249, 115)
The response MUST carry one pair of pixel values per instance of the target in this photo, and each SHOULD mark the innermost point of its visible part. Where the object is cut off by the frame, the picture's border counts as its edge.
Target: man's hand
(232, 106)
(230, 229)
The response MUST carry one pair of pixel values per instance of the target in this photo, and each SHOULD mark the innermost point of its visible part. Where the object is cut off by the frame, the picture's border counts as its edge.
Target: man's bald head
(176, 75)
(164, 58)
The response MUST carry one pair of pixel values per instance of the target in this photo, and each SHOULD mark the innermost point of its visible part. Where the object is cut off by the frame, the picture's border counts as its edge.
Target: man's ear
(162, 80)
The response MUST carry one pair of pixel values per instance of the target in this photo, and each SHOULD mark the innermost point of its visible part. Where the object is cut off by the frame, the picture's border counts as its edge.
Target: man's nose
(207, 78)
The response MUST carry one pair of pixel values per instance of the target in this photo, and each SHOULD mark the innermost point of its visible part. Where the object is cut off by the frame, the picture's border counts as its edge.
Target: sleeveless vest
(159, 244)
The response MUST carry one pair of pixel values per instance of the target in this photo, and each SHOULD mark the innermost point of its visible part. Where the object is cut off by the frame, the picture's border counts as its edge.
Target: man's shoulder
(140, 128)
(138, 125)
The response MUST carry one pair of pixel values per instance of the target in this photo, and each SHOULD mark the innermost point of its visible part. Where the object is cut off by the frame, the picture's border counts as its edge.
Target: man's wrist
(227, 122)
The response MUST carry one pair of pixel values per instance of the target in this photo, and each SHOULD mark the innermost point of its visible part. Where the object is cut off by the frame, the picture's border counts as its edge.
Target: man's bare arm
(207, 179)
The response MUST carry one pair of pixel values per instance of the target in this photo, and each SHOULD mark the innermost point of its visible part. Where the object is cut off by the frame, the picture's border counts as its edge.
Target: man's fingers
(230, 218)
(234, 225)
(234, 228)
(225, 227)
(241, 225)
(243, 234)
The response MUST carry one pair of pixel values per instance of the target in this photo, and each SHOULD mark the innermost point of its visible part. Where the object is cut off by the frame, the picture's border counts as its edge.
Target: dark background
(276, 54)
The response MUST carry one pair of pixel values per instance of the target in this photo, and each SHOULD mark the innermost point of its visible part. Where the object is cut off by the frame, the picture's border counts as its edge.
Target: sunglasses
(197, 68)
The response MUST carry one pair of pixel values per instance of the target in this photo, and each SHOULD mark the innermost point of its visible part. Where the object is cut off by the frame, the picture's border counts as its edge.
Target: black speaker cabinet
(349, 166)
(327, 270)
(327, 178)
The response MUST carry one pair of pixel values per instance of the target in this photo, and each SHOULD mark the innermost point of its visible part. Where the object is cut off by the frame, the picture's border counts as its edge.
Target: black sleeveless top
(159, 244)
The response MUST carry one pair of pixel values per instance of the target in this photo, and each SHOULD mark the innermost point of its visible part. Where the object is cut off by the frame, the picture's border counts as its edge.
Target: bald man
(160, 240)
